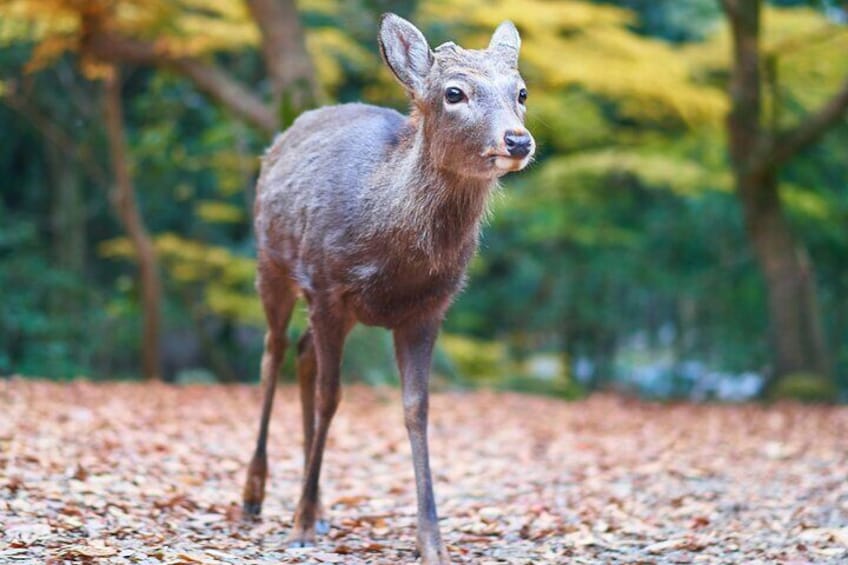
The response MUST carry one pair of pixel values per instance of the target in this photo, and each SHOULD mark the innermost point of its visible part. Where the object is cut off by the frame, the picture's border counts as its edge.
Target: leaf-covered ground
(134, 473)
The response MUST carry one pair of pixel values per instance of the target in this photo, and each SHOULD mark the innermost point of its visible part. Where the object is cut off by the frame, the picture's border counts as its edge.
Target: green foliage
(369, 357)
(623, 228)
(805, 388)
(481, 361)
(49, 314)
(224, 280)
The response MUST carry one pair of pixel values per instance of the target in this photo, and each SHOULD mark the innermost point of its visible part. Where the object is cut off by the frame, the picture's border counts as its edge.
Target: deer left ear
(406, 52)
(506, 42)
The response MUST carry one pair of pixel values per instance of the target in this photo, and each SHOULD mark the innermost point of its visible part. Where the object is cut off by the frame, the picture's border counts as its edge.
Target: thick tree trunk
(124, 201)
(796, 330)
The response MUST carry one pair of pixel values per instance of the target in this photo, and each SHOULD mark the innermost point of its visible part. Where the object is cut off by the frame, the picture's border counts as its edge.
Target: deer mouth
(505, 163)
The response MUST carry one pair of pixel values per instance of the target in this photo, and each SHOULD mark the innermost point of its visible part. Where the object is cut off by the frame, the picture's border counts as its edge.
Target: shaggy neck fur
(434, 210)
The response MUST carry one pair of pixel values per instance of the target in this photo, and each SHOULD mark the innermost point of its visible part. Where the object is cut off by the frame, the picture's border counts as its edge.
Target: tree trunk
(797, 334)
(124, 202)
(796, 331)
(289, 66)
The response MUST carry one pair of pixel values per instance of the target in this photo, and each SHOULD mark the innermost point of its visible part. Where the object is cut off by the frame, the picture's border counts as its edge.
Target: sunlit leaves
(569, 121)
(191, 27)
(804, 59)
(218, 212)
(679, 176)
(477, 358)
(333, 53)
(224, 278)
(588, 45)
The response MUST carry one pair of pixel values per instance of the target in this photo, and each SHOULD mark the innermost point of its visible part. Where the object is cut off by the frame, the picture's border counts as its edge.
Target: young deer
(373, 216)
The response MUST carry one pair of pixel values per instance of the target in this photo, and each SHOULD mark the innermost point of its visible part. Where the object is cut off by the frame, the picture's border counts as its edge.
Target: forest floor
(135, 473)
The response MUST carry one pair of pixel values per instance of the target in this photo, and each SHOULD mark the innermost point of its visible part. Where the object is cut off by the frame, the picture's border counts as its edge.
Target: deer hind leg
(307, 367)
(278, 299)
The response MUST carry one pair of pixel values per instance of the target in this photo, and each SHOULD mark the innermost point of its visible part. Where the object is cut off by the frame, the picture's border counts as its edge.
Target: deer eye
(522, 96)
(454, 95)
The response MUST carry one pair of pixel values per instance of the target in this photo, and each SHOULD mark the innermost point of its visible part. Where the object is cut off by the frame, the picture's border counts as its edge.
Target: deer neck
(437, 210)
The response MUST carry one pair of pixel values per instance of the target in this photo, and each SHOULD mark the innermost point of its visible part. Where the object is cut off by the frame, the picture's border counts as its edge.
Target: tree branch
(743, 120)
(123, 199)
(788, 143)
(729, 7)
(233, 95)
(283, 46)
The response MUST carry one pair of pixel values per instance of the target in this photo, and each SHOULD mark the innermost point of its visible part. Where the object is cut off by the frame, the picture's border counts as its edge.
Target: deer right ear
(506, 42)
(406, 52)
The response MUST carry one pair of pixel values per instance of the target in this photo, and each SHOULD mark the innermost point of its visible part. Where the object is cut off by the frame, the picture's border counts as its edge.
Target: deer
(372, 217)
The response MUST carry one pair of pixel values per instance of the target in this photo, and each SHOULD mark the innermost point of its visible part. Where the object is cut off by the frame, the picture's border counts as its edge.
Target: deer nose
(518, 143)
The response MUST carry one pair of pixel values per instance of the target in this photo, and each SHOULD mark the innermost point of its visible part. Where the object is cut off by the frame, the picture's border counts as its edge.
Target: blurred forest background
(683, 233)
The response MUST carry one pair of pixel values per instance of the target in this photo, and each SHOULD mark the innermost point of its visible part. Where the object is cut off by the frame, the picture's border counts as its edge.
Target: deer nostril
(518, 143)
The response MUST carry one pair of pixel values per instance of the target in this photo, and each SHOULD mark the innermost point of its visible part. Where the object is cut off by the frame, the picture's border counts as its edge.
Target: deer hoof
(301, 539)
(251, 509)
(322, 526)
(434, 555)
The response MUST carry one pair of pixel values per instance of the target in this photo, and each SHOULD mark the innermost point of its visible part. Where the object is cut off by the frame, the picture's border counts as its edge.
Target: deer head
(471, 103)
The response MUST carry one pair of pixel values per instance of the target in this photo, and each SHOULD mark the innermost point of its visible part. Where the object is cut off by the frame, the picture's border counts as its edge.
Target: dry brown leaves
(134, 473)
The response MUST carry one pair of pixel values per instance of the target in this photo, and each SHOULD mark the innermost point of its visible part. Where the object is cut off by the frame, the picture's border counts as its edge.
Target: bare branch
(787, 144)
(228, 92)
(233, 95)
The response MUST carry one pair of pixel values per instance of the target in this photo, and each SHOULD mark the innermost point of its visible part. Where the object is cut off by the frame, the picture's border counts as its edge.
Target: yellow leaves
(218, 212)
(324, 7)
(789, 29)
(810, 73)
(807, 50)
(234, 170)
(96, 70)
(532, 17)
(474, 357)
(208, 31)
(567, 120)
(645, 77)
(809, 204)
(225, 279)
(655, 170)
(330, 49)
(189, 27)
(48, 50)
(119, 247)
(238, 306)
(33, 20)
(582, 44)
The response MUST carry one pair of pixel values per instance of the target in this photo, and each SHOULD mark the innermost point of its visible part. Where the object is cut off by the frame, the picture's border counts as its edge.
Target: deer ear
(406, 52)
(506, 42)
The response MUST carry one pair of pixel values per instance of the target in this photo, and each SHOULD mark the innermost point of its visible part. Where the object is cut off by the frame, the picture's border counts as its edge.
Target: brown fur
(373, 217)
